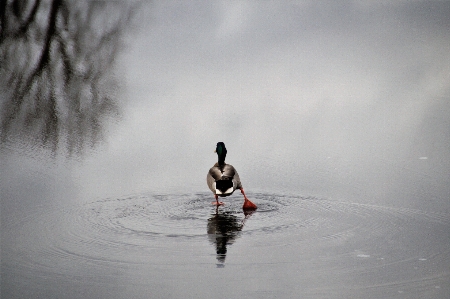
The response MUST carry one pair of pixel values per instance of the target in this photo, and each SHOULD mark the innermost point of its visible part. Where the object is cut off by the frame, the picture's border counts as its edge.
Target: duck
(223, 179)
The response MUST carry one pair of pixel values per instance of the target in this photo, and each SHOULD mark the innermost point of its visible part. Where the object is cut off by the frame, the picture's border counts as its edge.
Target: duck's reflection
(224, 227)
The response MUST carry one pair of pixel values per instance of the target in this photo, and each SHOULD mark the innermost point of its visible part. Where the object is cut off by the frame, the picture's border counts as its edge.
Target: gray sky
(305, 94)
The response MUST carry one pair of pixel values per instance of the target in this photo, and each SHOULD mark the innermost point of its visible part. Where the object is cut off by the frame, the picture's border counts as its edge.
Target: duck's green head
(221, 151)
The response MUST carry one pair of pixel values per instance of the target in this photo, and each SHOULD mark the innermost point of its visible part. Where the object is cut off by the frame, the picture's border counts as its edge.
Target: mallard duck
(223, 179)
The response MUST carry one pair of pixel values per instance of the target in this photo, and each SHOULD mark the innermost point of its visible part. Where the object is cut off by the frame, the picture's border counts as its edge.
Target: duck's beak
(215, 151)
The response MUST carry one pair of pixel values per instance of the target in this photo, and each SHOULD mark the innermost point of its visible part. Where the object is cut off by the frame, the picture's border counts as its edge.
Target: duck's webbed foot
(217, 202)
(248, 205)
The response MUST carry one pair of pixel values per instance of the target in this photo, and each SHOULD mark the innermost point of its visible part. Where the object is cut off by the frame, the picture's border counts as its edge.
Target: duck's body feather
(223, 172)
(223, 179)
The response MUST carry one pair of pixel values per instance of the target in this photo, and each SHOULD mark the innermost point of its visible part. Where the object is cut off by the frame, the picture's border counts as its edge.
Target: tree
(56, 70)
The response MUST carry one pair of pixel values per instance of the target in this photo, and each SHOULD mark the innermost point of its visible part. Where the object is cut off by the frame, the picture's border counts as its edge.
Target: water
(335, 116)
(172, 245)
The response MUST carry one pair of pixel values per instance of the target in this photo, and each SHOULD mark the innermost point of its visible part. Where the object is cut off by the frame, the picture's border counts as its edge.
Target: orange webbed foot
(248, 205)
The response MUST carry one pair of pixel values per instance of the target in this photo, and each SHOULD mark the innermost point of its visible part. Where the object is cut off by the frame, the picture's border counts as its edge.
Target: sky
(308, 96)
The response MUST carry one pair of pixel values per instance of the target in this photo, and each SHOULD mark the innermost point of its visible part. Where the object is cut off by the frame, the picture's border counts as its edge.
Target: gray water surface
(178, 245)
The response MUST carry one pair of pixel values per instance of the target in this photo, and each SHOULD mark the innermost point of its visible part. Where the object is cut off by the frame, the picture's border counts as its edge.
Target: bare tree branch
(56, 62)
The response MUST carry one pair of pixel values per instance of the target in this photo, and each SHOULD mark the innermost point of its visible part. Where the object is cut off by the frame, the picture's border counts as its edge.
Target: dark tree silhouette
(56, 70)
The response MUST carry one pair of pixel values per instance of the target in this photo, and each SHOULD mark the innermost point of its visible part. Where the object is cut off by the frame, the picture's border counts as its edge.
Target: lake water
(335, 116)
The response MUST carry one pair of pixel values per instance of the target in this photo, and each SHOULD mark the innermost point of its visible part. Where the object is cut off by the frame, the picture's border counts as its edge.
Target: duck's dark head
(221, 151)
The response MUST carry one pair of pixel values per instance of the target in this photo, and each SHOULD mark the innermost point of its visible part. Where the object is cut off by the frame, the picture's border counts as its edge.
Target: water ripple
(117, 232)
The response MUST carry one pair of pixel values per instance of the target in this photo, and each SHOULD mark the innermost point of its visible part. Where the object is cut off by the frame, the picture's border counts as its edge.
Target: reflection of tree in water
(223, 229)
(56, 59)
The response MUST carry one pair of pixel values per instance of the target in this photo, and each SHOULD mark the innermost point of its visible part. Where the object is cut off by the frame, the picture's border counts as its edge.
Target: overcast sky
(295, 89)
(305, 94)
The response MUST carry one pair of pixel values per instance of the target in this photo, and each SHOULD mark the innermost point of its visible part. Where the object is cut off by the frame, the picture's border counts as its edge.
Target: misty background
(340, 99)
(308, 97)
